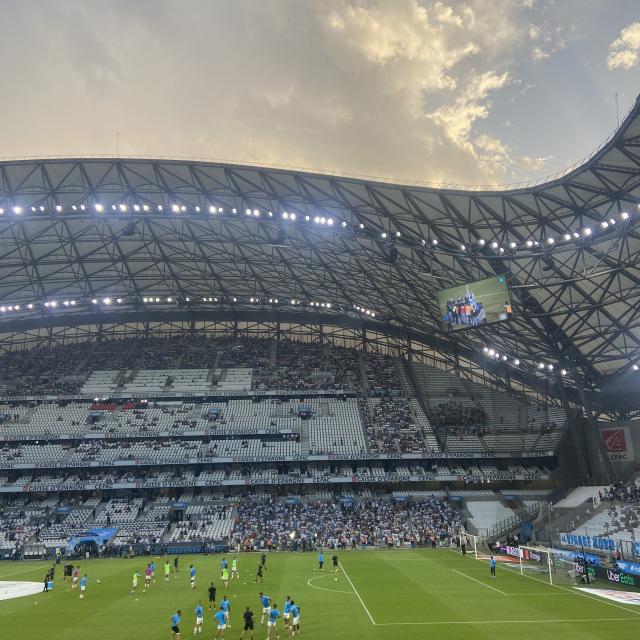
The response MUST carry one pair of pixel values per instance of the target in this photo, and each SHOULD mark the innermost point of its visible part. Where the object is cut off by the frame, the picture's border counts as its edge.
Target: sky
(453, 91)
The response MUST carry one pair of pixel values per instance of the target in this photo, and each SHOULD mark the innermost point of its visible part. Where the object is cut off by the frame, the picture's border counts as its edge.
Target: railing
(513, 522)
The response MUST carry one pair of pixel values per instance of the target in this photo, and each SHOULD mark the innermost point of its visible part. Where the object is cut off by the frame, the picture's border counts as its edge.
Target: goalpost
(475, 545)
(548, 565)
(536, 563)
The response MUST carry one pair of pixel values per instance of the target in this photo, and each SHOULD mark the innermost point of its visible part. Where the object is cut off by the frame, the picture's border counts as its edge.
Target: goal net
(476, 545)
(548, 565)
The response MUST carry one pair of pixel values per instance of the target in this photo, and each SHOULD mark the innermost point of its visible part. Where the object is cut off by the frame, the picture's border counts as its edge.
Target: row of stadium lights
(108, 301)
(177, 208)
(584, 232)
(366, 312)
(540, 366)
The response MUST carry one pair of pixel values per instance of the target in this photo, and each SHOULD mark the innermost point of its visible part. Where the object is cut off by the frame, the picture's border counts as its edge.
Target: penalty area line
(484, 584)
(474, 622)
(364, 606)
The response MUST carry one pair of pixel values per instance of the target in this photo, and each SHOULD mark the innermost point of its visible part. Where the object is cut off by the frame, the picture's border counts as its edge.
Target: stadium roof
(167, 237)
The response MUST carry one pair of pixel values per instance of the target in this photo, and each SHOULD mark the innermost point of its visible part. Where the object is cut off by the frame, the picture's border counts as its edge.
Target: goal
(547, 565)
(476, 545)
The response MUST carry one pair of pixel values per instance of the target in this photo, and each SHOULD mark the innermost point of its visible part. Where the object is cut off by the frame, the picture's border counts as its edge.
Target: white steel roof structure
(119, 239)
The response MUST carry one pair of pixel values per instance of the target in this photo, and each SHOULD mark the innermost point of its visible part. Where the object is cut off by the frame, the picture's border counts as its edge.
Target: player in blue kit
(199, 619)
(265, 602)
(492, 564)
(286, 611)
(274, 614)
(294, 627)
(320, 560)
(175, 625)
(221, 619)
(192, 576)
(83, 585)
(226, 607)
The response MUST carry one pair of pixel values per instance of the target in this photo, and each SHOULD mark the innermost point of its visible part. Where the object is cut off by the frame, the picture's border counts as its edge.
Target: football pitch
(377, 594)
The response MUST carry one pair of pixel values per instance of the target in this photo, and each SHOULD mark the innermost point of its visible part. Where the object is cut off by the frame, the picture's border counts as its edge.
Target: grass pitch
(379, 595)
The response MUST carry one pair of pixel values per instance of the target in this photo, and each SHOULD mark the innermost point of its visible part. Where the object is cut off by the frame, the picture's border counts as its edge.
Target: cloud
(547, 40)
(392, 88)
(470, 105)
(624, 51)
(538, 54)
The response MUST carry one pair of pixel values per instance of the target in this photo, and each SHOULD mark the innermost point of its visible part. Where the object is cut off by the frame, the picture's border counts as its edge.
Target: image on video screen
(475, 304)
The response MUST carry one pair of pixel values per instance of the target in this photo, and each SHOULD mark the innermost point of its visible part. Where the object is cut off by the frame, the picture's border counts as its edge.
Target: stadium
(206, 363)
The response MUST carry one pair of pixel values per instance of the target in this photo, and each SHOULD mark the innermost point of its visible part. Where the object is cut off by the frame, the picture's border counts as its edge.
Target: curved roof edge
(497, 189)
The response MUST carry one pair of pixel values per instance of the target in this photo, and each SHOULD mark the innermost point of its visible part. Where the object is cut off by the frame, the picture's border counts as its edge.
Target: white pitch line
(575, 592)
(560, 621)
(600, 599)
(541, 593)
(15, 573)
(484, 584)
(310, 580)
(364, 606)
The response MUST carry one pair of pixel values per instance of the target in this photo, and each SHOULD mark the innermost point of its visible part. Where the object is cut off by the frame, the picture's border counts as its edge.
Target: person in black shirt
(335, 563)
(248, 622)
(259, 574)
(212, 596)
(175, 564)
(46, 583)
(68, 570)
(263, 561)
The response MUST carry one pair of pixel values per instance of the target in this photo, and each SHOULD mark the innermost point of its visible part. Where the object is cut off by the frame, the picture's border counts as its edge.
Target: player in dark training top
(212, 596)
(248, 622)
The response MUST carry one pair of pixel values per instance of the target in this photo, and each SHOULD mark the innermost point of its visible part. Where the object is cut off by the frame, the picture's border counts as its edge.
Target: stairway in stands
(420, 404)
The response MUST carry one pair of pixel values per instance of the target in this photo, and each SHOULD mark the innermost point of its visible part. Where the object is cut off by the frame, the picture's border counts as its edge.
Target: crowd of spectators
(457, 419)
(392, 427)
(621, 492)
(62, 370)
(342, 523)
(624, 509)
(382, 375)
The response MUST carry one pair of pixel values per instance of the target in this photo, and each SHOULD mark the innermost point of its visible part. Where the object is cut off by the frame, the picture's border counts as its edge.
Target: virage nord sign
(597, 544)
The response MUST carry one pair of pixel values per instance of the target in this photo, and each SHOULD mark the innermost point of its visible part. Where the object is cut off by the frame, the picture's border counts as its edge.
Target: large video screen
(475, 304)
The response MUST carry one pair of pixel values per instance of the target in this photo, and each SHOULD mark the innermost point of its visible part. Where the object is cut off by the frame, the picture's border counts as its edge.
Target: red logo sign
(614, 440)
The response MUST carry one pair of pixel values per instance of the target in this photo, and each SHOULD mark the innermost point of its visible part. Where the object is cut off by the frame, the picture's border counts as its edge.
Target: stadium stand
(151, 415)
